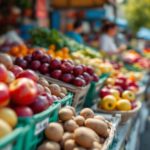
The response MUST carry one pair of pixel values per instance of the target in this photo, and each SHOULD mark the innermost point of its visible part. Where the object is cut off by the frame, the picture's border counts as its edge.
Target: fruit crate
(67, 100)
(79, 93)
(13, 141)
(34, 134)
(94, 89)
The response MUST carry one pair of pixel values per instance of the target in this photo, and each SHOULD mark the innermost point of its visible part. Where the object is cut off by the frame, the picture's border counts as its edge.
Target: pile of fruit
(137, 60)
(64, 70)
(76, 132)
(23, 94)
(118, 94)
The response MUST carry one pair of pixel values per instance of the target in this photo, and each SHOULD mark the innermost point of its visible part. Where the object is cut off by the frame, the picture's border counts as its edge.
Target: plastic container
(93, 92)
(67, 100)
(33, 134)
(13, 141)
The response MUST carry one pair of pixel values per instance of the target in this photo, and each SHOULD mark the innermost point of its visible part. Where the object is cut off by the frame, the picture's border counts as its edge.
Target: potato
(65, 114)
(99, 117)
(85, 137)
(96, 145)
(72, 109)
(66, 136)
(69, 144)
(79, 148)
(49, 145)
(87, 113)
(64, 90)
(61, 95)
(55, 89)
(54, 132)
(99, 126)
(70, 125)
(79, 120)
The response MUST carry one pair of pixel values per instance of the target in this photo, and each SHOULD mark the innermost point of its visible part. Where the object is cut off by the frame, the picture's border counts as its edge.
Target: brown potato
(69, 144)
(49, 145)
(66, 136)
(70, 125)
(87, 113)
(99, 126)
(54, 132)
(65, 114)
(79, 120)
(85, 137)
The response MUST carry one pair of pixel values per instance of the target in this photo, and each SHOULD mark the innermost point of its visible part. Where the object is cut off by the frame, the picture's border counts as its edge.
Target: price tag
(8, 147)
(41, 126)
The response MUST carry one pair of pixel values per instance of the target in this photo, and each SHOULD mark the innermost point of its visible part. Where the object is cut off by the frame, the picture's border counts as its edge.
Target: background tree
(137, 13)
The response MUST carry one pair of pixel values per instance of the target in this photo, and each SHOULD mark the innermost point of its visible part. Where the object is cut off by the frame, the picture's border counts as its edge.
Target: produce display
(64, 70)
(119, 93)
(83, 131)
(37, 78)
(44, 38)
(136, 60)
(23, 94)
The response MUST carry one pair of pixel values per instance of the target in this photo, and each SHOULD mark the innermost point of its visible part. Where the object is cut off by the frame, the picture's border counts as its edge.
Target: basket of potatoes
(85, 131)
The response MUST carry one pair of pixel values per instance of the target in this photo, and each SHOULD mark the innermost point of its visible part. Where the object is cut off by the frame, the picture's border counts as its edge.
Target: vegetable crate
(78, 92)
(94, 89)
(13, 141)
(67, 100)
(34, 134)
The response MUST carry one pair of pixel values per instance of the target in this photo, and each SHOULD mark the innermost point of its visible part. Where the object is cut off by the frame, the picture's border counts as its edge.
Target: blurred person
(76, 32)
(107, 39)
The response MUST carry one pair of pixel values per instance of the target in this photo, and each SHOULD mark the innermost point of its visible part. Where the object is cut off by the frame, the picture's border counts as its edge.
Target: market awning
(144, 33)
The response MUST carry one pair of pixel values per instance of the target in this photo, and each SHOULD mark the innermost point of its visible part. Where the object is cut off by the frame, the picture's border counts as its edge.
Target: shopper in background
(76, 32)
(107, 39)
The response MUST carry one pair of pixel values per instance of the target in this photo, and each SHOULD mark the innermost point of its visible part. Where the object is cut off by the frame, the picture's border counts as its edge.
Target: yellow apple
(129, 95)
(115, 93)
(110, 81)
(109, 102)
(124, 105)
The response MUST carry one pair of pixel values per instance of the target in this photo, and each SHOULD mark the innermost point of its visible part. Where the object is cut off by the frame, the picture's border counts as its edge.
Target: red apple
(67, 77)
(28, 74)
(45, 59)
(78, 70)
(89, 70)
(124, 79)
(23, 91)
(37, 55)
(50, 97)
(10, 77)
(95, 78)
(133, 104)
(104, 92)
(23, 63)
(28, 58)
(23, 111)
(41, 103)
(121, 83)
(3, 73)
(87, 77)
(79, 82)
(4, 95)
(44, 69)
(66, 67)
(133, 84)
(35, 65)
(16, 70)
(55, 64)
(56, 74)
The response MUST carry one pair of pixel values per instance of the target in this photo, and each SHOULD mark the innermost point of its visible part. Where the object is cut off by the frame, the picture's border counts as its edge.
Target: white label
(9, 147)
(41, 126)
